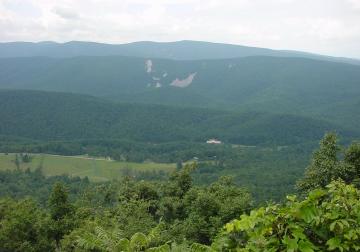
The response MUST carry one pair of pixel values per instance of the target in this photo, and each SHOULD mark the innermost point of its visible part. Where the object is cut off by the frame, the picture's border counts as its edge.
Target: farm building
(213, 141)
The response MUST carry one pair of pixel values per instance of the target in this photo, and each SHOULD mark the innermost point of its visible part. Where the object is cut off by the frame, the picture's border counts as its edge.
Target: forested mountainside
(298, 86)
(179, 50)
(49, 116)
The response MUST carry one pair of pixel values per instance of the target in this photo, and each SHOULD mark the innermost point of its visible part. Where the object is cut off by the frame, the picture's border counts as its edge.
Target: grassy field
(95, 169)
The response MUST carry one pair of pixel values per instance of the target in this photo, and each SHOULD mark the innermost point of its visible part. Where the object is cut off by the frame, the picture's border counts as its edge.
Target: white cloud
(65, 13)
(323, 26)
(355, 4)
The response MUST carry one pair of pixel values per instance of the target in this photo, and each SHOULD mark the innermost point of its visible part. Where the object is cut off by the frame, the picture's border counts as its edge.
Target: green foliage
(51, 116)
(352, 159)
(325, 165)
(209, 208)
(17, 162)
(26, 158)
(178, 215)
(327, 220)
(61, 219)
(58, 202)
(23, 227)
(268, 172)
(20, 184)
(284, 85)
(95, 238)
(133, 216)
(186, 212)
(140, 133)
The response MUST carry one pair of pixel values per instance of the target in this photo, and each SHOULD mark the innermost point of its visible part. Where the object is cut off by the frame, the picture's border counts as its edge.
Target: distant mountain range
(318, 91)
(180, 50)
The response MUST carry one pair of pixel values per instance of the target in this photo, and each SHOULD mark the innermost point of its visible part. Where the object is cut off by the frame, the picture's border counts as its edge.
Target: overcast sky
(322, 26)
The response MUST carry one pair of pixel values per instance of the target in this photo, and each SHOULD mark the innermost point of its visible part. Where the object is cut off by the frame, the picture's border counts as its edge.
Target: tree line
(176, 215)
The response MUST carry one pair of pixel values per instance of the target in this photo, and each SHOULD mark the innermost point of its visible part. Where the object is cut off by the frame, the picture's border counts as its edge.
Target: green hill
(59, 116)
(305, 87)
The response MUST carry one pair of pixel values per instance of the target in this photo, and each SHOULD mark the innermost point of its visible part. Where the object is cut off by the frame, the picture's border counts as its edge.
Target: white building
(213, 141)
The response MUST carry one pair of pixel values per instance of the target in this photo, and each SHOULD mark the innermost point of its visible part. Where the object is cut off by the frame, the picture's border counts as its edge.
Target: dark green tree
(209, 208)
(17, 161)
(61, 210)
(26, 158)
(326, 165)
(352, 158)
(179, 165)
(23, 227)
(323, 164)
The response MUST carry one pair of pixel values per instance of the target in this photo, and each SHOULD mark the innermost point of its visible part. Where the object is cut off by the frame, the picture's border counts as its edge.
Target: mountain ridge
(288, 85)
(177, 50)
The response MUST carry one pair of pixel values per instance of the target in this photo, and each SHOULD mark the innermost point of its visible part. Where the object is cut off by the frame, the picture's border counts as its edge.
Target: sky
(330, 27)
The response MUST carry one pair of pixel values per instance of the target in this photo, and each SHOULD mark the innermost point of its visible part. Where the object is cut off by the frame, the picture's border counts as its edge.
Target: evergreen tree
(326, 166)
(17, 162)
(322, 166)
(352, 158)
(61, 212)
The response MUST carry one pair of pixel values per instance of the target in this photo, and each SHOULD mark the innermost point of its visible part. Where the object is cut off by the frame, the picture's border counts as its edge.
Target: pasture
(96, 169)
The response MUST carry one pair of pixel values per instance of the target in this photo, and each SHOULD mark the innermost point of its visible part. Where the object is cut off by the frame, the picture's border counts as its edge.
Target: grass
(95, 169)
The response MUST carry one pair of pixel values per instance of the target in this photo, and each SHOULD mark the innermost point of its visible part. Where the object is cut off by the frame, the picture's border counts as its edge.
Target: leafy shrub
(326, 220)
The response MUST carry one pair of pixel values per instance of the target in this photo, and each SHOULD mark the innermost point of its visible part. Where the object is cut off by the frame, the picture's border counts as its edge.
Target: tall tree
(17, 162)
(321, 169)
(326, 166)
(60, 212)
(352, 158)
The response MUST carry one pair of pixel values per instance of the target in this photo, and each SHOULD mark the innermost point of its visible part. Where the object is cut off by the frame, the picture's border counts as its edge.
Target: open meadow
(96, 169)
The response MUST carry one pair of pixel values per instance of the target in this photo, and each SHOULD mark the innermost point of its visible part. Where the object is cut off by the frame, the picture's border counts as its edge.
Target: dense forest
(51, 116)
(265, 152)
(296, 86)
(135, 126)
(40, 213)
(103, 108)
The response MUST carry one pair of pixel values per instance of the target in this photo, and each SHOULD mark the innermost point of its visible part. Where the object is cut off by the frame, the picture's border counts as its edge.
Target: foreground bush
(326, 220)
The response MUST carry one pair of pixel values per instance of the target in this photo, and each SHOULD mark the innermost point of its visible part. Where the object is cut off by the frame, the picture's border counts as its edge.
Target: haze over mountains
(310, 89)
(179, 50)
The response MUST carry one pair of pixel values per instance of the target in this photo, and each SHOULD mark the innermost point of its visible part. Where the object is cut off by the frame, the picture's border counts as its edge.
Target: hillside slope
(270, 84)
(60, 116)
